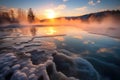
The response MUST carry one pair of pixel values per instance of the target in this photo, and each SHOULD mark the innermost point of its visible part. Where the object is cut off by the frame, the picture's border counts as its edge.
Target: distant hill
(98, 16)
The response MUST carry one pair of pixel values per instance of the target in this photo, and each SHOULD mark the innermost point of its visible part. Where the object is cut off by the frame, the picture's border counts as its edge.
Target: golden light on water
(51, 31)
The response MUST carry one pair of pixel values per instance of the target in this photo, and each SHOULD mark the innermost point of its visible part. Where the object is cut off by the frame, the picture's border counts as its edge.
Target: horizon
(56, 8)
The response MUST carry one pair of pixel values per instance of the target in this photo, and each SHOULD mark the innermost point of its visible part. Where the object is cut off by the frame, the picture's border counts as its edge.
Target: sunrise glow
(50, 14)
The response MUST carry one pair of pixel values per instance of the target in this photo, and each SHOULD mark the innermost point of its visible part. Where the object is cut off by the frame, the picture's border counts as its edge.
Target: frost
(45, 65)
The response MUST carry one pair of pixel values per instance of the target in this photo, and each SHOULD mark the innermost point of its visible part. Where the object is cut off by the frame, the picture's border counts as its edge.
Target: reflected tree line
(16, 16)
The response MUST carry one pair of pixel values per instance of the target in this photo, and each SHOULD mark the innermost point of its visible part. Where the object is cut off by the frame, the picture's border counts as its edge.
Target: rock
(2, 77)
(27, 55)
(23, 63)
(18, 75)
(16, 67)
(7, 60)
(32, 70)
(32, 77)
(6, 70)
(39, 65)
(9, 54)
(76, 67)
(45, 75)
(38, 57)
(25, 70)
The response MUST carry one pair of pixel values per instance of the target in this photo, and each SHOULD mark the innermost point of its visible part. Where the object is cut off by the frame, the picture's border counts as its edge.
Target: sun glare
(51, 31)
(50, 14)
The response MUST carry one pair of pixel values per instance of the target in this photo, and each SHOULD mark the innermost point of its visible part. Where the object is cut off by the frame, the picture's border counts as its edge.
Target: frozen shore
(41, 65)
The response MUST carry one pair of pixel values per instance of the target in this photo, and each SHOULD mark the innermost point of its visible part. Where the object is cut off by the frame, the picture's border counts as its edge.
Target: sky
(62, 7)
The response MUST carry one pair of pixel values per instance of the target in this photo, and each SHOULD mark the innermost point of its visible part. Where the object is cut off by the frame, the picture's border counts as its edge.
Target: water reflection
(104, 50)
(76, 39)
(59, 38)
(97, 49)
(33, 31)
(65, 37)
(51, 31)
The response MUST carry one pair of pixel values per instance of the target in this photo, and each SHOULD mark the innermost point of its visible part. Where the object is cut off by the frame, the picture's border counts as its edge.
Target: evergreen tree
(30, 15)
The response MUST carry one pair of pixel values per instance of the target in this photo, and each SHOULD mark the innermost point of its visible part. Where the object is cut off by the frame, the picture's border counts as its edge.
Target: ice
(39, 66)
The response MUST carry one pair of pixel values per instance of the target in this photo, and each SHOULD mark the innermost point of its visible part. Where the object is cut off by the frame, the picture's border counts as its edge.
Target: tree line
(12, 16)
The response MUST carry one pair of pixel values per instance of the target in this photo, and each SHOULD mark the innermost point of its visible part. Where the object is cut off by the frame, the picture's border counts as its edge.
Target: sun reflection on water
(50, 31)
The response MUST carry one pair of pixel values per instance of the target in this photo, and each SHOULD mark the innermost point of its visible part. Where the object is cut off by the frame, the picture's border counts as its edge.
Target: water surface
(101, 51)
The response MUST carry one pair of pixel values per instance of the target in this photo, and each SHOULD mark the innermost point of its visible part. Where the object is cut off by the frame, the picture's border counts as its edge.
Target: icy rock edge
(39, 65)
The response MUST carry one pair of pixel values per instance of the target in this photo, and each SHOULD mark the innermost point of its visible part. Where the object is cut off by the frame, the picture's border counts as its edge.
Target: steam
(106, 22)
(107, 25)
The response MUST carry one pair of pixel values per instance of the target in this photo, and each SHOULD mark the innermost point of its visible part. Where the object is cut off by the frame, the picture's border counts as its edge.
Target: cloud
(98, 1)
(65, 0)
(78, 37)
(93, 2)
(81, 8)
(60, 7)
(88, 42)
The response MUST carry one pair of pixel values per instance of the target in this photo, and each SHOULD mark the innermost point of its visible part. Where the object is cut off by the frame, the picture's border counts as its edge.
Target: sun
(50, 14)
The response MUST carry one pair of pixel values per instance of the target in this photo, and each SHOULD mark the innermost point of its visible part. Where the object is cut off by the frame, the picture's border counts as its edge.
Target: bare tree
(12, 15)
(21, 15)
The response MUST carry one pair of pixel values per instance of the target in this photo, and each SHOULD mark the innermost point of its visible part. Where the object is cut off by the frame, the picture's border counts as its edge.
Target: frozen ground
(45, 65)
